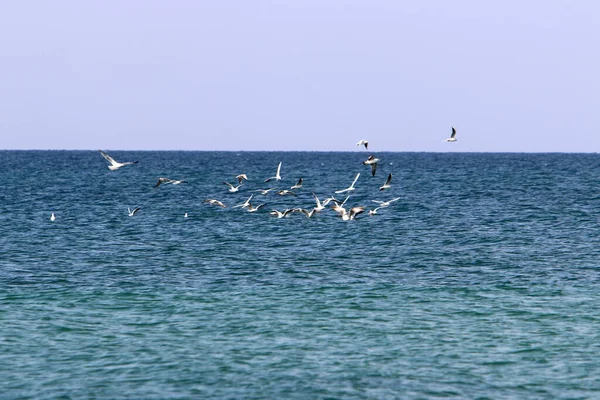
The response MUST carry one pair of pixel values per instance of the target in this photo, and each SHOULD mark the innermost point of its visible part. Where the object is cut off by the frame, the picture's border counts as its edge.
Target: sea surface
(481, 281)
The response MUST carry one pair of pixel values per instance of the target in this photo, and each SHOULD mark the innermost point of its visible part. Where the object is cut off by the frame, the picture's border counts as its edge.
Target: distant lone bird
(132, 212)
(363, 142)
(53, 217)
(114, 165)
(372, 161)
(452, 137)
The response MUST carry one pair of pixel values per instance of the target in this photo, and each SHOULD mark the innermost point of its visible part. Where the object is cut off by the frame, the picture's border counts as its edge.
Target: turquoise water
(480, 282)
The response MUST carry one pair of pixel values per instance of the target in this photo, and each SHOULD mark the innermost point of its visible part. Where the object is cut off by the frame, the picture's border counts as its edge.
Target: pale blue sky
(300, 75)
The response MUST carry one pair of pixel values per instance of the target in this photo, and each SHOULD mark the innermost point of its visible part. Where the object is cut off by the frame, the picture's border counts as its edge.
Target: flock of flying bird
(337, 205)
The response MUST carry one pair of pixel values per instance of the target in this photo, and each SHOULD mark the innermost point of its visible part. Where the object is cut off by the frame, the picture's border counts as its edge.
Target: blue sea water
(480, 282)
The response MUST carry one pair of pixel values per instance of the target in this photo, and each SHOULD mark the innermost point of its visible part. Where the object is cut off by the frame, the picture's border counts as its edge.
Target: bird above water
(114, 165)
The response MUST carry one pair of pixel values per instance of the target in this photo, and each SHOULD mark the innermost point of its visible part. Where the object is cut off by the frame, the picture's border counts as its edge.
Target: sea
(481, 281)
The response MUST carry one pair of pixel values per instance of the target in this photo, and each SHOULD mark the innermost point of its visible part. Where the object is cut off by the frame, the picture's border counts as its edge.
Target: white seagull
(351, 187)
(214, 202)
(251, 208)
(168, 180)
(280, 214)
(286, 192)
(387, 184)
(132, 212)
(277, 176)
(245, 204)
(264, 192)
(363, 142)
(372, 161)
(297, 185)
(232, 188)
(114, 165)
(53, 217)
(319, 206)
(452, 137)
(385, 203)
(374, 211)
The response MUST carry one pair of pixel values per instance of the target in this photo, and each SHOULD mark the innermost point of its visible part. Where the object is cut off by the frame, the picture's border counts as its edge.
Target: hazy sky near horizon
(300, 75)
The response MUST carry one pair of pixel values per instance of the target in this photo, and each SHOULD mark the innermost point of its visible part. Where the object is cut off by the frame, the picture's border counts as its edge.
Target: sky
(295, 75)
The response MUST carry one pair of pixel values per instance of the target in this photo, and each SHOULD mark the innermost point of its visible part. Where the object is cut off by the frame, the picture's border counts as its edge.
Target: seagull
(308, 213)
(114, 165)
(374, 211)
(241, 178)
(363, 142)
(387, 184)
(319, 206)
(264, 192)
(297, 185)
(245, 204)
(354, 211)
(285, 191)
(167, 180)
(214, 202)
(53, 217)
(339, 207)
(232, 188)
(280, 214)
(372, 161)
(329, 200)
(351, 187)
(277, 176)
(185, 215)
(132, 212)
(251, 208)
(385, 203)
(452, 137)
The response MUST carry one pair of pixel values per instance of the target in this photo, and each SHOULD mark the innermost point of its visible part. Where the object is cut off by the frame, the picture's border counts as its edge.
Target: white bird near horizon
(277, 176)
(363, 142)
(452, 137)
(372, 161)
(114, 165)
(351, 187)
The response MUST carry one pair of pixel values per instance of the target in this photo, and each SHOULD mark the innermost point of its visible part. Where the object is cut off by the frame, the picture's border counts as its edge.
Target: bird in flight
(277, 176)
(372, 161)
(363, 142)
(387, 184)
(132, 212)
(349, 188)
(114, 165)
(452, 137)
(168, 180)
